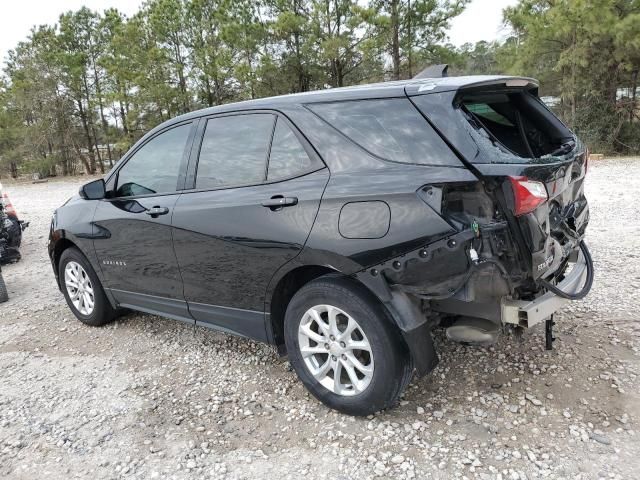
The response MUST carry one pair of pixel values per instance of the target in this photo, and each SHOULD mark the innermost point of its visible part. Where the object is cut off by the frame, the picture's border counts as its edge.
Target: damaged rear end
(519, 253)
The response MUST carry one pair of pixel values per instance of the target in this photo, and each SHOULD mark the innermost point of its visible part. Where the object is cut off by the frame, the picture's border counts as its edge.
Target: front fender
(72, 226)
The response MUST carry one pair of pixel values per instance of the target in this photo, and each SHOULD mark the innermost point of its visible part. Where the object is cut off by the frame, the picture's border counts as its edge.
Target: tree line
(75, 95)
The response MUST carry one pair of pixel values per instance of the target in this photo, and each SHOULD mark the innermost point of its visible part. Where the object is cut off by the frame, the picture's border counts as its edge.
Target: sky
(18, 16)
(480, 21)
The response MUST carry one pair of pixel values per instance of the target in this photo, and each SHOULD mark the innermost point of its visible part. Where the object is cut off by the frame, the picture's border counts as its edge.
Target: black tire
(4, 295)
(14, 232)
(103, 312)
(392, 365)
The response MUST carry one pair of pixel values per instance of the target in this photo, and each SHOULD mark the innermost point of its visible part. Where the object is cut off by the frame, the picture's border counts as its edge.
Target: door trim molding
(246, 323)
(162, 306)
(236, 321)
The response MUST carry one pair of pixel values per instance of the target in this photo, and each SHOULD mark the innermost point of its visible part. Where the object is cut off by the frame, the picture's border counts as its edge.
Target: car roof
(358, 92)
(398, 88)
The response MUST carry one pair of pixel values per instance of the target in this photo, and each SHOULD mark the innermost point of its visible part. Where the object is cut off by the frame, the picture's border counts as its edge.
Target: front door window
(155, 167)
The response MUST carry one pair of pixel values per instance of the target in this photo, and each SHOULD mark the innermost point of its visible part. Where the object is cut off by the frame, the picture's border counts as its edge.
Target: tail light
(8, 206)
(528, 195)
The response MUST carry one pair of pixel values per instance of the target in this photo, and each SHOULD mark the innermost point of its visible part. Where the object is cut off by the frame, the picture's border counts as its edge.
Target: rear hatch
(532, 164)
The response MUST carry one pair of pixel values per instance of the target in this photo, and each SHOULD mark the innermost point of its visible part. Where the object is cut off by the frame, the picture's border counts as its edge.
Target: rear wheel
(82, 289)
(344, 347)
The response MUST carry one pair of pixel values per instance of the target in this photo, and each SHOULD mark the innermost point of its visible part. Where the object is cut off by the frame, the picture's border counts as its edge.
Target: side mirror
(95, 190)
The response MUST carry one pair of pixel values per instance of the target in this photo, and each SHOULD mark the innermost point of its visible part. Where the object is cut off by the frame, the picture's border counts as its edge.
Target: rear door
(133, 240)
(255, 194)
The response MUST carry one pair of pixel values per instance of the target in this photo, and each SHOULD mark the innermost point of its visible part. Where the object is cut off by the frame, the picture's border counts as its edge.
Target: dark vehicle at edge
(342, 226)
(11, 228)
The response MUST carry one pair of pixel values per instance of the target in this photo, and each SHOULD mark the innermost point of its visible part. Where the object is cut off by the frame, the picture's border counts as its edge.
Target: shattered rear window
(485, 111)
(517, 123)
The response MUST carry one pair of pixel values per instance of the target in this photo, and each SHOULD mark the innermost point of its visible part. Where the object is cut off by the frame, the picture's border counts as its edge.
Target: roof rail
(434, 71)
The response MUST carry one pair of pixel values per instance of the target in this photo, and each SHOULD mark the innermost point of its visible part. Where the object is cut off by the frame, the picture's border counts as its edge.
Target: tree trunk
(634, 87)
(123, 114)
(248, 55)
(87, 165)
(182, 82)
(65, 162)
(123, 118)
(216, 83)
(301, 80)
(395, 39)
(99, 155)
(208, 92)
(105, 127)
(296, 41)
(409, 39)
(91, 167)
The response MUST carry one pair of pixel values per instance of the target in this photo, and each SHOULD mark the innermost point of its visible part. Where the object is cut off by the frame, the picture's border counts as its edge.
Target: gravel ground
(151, 398)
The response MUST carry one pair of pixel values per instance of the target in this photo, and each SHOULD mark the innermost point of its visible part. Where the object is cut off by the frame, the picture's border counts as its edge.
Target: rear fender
(404, 309)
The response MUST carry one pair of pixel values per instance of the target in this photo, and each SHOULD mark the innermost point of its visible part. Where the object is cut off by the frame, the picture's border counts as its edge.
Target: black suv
(341, 226)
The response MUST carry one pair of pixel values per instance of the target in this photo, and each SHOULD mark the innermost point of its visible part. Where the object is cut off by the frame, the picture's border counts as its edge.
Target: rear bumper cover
(527, 313)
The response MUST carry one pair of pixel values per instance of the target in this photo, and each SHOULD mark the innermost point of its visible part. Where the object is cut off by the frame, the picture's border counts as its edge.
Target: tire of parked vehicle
(82, 289)
(14, 232)
(4, 295)
(334, 324)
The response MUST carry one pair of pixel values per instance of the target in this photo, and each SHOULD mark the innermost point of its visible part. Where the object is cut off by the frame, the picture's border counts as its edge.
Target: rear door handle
(154, 212)
(278, 201)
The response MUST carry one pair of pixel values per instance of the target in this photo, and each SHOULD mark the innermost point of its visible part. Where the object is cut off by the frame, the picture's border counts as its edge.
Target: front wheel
(82, 289)
(344, 346)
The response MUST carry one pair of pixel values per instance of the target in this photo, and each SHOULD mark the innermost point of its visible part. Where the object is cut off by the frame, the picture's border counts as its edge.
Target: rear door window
(234, 151)
(288, 157)
(391, 129)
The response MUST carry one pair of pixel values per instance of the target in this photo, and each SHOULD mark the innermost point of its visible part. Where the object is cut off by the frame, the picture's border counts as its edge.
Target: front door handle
(155, 212)
(278, 201)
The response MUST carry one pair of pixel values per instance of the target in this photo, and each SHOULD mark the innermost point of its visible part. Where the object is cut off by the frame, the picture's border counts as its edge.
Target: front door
(133, 240)
(251, 210)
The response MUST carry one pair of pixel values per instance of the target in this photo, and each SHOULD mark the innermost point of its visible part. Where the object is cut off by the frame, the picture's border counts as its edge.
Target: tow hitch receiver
(527, 313)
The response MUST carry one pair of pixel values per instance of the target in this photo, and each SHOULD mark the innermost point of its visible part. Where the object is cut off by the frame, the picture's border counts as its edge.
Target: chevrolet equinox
(341, 226)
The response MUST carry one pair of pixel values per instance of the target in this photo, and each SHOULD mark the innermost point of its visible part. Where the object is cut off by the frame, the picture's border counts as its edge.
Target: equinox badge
(119, 263)
(548, 261)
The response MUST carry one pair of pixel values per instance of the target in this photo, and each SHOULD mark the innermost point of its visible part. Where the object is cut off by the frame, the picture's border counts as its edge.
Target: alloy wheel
(79, 288)
(336, 350)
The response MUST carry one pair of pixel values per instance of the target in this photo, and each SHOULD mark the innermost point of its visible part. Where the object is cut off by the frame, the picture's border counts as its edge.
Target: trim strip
(247, 323)
(165, 307)
(236, 321)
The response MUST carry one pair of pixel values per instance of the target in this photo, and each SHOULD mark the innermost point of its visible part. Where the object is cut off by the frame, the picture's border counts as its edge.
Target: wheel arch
(289, 283)
(62, 244)
(283, 291)
(407, 317)
(64, 241)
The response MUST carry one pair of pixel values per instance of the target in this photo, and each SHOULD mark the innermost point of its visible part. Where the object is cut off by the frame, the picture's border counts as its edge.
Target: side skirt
(164, 307)
(246, 323)
(235, 321)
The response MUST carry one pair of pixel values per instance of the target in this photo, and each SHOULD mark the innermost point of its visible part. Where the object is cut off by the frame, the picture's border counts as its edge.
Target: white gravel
(152, 398)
